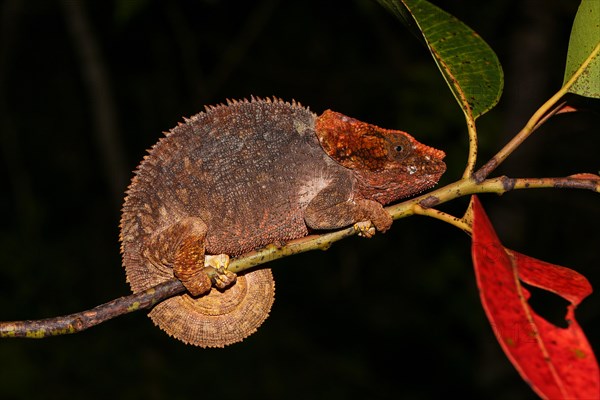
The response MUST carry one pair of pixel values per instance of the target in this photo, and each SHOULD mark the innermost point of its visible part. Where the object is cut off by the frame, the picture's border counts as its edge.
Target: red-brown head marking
(389, 164)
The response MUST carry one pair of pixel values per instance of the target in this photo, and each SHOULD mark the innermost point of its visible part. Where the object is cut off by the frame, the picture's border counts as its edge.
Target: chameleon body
(240, 176)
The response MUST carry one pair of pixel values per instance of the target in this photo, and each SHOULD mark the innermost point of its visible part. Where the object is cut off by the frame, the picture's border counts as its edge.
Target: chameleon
(245, 174)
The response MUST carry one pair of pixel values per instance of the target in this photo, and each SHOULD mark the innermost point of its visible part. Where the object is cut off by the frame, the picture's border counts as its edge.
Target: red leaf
(557, 362)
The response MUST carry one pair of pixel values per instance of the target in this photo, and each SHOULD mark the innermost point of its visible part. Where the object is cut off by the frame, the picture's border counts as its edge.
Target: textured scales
(246, 174)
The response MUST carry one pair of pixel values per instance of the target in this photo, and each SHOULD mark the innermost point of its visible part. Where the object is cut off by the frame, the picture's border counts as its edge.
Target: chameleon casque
(240, 176)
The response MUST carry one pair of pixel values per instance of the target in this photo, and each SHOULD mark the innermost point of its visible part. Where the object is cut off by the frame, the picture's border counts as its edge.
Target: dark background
(86, 87)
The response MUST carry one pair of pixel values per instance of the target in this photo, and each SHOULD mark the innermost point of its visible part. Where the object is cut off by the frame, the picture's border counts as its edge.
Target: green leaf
(585, 37)
(469, 66)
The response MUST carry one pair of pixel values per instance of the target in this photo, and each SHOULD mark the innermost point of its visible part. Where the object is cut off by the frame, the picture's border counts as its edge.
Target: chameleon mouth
(386, 191)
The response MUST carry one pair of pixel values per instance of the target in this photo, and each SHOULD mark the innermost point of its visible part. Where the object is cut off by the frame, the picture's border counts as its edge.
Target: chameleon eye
(398, 148)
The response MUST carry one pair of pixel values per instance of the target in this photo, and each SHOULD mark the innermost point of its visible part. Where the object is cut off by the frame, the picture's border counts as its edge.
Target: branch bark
(77, 322)
(73, 323)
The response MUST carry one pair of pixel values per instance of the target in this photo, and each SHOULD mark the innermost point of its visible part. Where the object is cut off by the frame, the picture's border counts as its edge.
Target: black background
(397, 316)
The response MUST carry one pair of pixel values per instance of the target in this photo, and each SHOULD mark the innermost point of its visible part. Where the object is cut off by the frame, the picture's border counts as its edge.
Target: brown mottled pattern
(250, 173)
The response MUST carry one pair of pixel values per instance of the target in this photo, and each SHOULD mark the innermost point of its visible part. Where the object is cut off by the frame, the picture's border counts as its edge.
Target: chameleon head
(388, 164)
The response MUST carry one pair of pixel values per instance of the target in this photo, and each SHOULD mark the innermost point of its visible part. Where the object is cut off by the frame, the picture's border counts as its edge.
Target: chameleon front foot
(365, 229)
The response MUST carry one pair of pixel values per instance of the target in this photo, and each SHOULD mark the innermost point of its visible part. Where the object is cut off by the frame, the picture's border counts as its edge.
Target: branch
(548, 109)
(421, 205)
(542, 115)
(499, 186)
(460, 223)
(73, 323)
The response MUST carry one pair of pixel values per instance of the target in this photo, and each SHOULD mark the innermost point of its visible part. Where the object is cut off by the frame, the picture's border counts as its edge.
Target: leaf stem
(473, 145)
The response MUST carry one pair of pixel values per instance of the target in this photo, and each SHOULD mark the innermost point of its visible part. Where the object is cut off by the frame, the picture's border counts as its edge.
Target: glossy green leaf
(468, 64)
(585, 37)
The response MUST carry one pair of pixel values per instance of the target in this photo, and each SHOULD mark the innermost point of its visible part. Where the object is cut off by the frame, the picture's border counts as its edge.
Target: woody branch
(80, 321)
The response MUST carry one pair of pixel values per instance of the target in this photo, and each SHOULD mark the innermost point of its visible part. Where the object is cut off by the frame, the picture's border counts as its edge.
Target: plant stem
(472, 157)
(77, 322)
(421, 205)
(535, 121)
(442, 216)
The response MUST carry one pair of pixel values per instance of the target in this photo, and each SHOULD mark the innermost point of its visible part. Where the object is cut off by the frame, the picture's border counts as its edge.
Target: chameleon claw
(223, 278)
(365, 229)
(216, 269)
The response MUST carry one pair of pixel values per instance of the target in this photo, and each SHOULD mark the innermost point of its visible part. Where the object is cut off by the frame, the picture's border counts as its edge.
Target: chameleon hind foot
(216, 269)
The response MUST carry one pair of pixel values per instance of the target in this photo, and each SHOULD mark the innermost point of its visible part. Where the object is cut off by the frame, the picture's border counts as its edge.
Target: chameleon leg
(188, 265)
(196, 272)
(332, 209)
(181, 245)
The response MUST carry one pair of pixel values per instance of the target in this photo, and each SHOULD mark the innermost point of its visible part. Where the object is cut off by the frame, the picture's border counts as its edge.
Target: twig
(73, 323)
(442, 216)
(535, 121)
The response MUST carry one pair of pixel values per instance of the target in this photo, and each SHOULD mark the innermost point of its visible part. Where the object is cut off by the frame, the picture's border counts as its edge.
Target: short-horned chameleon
(240, 176)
